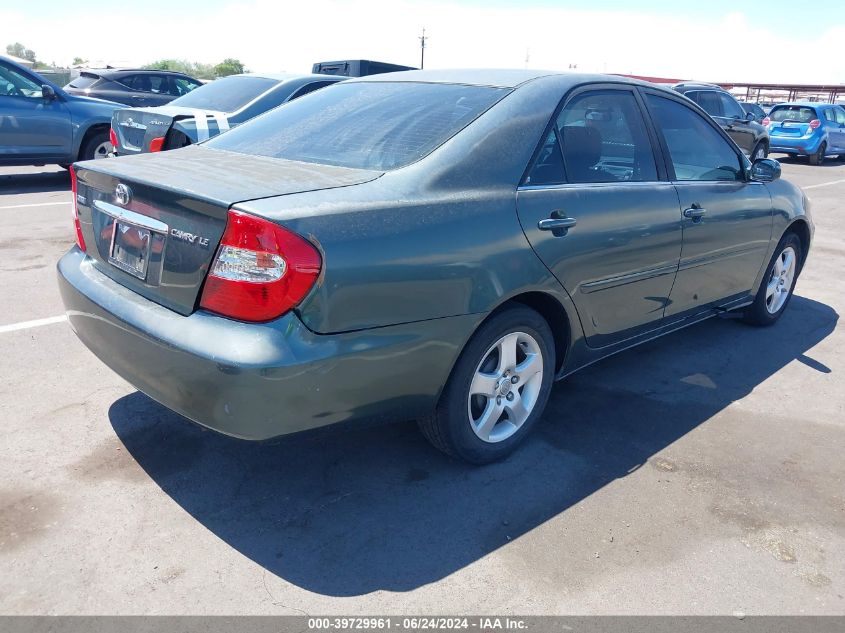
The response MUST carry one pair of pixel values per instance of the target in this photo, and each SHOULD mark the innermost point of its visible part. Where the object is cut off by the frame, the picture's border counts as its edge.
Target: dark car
(207, 111)
(751, 137)
(814, 130)
(439, 245)
(41, 124)
(133, 86)
(754, 109)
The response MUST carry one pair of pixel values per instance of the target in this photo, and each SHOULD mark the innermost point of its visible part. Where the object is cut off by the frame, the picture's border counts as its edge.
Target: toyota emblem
(122, 194)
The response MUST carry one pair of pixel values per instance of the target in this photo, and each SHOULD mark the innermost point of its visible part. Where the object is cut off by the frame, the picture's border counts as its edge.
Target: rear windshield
(802, 114)
(227, 94)
(375, 125)
(84, 81)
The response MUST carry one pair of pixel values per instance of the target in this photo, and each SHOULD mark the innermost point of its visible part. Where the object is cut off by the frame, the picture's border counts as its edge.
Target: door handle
(695, 213)
(557, 225)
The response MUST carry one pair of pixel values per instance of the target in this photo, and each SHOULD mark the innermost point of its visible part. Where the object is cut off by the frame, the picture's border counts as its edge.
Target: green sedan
(437, 245)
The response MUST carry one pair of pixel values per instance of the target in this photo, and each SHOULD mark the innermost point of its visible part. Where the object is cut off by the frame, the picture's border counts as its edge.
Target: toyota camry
(435, 245)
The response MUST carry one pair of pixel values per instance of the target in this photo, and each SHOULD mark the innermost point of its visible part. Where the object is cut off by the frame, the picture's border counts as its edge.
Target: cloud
(289, 36)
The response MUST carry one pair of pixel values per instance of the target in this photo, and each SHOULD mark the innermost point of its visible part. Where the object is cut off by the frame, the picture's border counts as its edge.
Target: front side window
(730, 107)
(830, 115)
(708, 100)
(696, 149)
(604, 139)
(363, 125)
(14, 84)
(840, 116)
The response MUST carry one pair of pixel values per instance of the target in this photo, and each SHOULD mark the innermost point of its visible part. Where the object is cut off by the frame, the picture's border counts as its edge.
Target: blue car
(41, 124)
(816, 130)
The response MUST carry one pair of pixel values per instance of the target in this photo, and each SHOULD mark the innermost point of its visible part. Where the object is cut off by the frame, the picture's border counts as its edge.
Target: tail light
(80, 241)
(156, 144)
(766, 121)
(112, 138)
(815, 123)
(261, 270)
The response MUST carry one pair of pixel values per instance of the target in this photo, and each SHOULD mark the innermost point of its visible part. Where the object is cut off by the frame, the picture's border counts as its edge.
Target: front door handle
(695, 213)
(558, 226)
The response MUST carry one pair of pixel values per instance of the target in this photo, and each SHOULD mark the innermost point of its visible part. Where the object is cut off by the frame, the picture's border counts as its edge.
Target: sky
(713, 40)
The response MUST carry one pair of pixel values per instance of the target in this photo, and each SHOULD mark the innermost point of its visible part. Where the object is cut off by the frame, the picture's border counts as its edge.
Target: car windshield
(802, 114)
(367, 125)
(227, 94)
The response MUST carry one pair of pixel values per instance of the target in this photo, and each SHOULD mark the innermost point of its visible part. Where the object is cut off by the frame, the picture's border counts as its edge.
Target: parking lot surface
(702, 473)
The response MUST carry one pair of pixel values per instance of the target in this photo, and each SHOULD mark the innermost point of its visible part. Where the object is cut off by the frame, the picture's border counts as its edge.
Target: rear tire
(97, 146)
(778, 283)
(818, 157)
(498, 388)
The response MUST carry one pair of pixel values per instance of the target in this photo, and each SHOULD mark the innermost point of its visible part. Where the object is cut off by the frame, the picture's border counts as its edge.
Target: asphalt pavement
(702, 473)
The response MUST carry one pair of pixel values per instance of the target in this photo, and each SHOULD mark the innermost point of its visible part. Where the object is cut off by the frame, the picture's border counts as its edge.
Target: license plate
(130, 248)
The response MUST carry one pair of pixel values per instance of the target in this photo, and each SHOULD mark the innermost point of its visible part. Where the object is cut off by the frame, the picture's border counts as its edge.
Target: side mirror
(47, 92)
(765, 170)
(749, 116)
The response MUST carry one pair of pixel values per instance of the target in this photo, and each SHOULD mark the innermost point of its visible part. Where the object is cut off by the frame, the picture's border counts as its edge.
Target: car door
(31, 126)
(597, 210)
(727, 219)
(735, 122)
(836, 127)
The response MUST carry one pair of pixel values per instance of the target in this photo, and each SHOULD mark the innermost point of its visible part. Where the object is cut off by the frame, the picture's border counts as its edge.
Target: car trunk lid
(137, 127)
(153, 222)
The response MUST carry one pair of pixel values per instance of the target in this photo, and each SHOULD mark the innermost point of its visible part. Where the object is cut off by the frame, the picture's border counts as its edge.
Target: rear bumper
(257, 381)
(795, 145)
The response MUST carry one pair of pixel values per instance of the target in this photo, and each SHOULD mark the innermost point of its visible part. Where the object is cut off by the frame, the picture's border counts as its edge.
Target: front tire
(498, 388)
(818, 157)
(761, 150)
(778, 283)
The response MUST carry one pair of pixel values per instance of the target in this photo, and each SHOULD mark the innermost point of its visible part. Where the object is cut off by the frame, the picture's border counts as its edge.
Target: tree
(229, 66)
(194, 69)
(19, 50)
(78, 61)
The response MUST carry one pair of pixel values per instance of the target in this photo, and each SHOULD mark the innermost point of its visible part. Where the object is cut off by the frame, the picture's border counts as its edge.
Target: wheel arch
(801, 228)
(89, 132)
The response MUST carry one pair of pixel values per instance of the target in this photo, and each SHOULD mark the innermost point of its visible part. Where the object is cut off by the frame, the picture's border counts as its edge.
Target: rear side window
(378, 125)
(840, 116)
(830, 114)
(227, 94)
(696, 149)
(800, 114)
(604, 139)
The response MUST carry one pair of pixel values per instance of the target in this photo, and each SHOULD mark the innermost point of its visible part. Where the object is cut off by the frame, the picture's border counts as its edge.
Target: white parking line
(38, 204)
(825, 184)
(25, 325)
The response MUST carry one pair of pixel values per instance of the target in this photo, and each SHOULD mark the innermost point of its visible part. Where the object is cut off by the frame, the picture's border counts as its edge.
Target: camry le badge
(122, 194)
(199, 240)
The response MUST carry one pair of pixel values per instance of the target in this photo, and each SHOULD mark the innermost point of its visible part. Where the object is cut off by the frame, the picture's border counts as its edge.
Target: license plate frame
(130, 248)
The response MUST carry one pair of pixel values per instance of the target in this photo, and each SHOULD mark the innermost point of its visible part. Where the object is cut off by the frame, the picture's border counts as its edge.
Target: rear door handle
(556, 224)
(695, 213)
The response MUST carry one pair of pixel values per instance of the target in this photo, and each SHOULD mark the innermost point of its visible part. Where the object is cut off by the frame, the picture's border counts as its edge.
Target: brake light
(156, 144)
(815, 123)
(261, 270)
(112, 138)
(80, 241)
(766, 121)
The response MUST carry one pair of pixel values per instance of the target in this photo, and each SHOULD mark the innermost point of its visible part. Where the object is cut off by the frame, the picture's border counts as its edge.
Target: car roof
(684, 85)
(284, 77)
(114, 72)
(804, 104)
(498, 78)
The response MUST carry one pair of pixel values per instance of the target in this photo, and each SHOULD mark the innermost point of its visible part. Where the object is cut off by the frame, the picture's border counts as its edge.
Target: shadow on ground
(356, 510)
(42, 182)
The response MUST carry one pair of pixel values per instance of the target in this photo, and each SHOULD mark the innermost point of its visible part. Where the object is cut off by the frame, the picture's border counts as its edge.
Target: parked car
(754, 109)
(439, 245)
(133, 86)
(207, 111)
(815, 130)
(751, 137)
(41, 124)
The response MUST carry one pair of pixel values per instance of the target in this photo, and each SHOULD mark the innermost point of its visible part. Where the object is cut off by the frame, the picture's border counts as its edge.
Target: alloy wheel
(505, 387)
(780, 282)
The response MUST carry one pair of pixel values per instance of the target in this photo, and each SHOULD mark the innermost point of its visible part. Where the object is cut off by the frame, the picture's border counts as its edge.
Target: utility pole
(422, 49)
